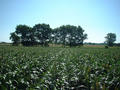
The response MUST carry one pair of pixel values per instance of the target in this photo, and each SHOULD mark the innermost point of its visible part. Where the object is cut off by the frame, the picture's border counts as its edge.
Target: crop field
(58, 68)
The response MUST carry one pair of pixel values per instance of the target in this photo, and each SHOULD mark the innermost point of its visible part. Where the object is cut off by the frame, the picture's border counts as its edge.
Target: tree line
(43, 34)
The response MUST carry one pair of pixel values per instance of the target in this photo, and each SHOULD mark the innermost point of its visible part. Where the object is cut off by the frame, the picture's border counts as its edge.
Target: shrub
(106, 47)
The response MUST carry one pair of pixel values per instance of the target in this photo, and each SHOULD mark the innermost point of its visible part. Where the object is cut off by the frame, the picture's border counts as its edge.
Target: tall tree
(15, 38)
(42, 33)
(80, 36)
(70, 35)
(26, 34)
(110, 39)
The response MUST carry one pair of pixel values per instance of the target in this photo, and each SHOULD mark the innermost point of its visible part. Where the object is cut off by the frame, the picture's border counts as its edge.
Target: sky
(96, 17)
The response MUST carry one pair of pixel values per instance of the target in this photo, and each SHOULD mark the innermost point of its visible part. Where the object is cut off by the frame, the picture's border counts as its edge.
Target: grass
(80, 68)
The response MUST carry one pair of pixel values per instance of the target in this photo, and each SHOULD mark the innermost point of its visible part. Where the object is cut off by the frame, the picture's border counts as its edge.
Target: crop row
(59, 68)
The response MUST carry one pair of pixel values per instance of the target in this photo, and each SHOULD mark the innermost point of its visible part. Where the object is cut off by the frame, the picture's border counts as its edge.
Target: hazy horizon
(96, 17)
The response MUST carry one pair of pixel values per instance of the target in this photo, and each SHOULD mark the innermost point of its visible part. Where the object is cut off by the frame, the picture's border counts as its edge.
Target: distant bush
(106, 47)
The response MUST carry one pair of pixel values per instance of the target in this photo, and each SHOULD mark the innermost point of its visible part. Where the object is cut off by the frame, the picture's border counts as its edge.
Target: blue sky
(96, 17)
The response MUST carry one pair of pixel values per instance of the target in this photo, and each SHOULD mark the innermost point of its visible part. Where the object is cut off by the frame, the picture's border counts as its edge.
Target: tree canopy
(25, 34)
(69, 35)
(110, 39)
(42, 34)
(15, 38)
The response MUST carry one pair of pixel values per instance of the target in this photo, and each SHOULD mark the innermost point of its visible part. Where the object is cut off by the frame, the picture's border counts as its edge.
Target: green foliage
(42, 34)
(110, 39)
(106, 47)
(54, 68)
(15, 38)
(26, 34)
(69, 35)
